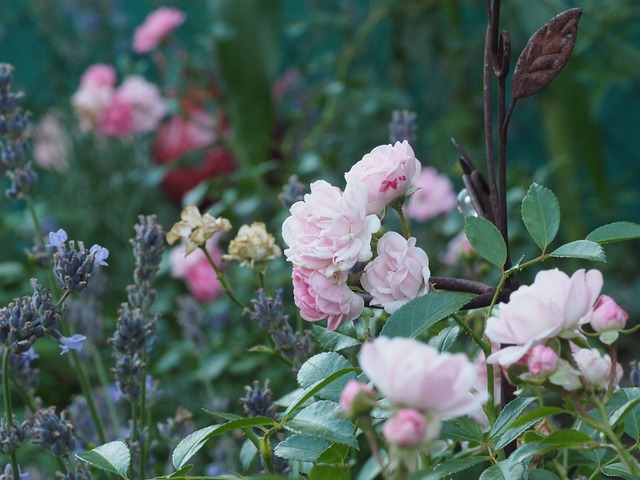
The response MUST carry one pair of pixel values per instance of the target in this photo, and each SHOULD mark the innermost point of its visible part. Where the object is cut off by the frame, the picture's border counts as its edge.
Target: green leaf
(507, 470)
(558, 440)
(336, 453)
(182, 473)
(194, 442)
(301, 448)
(620, 403)
(112, 457)
(541, 215)
(457, 465)
(618, 470)
(445, 339)
(486, 240)
(509, 415)
(329, 472)
(248, 453)
(615, 232)
(585, 249)
(323, 420)
(538, 474)
(463, 429)
(318, 367)
(523, 422)
(415, 317)
(314, 389)
(333, 341)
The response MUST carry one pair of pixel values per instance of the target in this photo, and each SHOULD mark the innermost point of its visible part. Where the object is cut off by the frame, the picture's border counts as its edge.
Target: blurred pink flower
(412, 374)
(542, 361)
(99, 75)
(388, 171)
(356, 398)
(148, 106)
(596, 368)
(407, 428)
(319, 297)
(51, 145)
(555, 305)
(457, 249)
(117, 118)
(156, 27)
(434, 196)
(196, 271)
(398, 274)
(329, 231)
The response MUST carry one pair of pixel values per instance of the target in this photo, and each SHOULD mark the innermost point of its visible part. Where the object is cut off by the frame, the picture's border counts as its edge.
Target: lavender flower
(8, 474)
(71, 343)
(22, 371)
(11, 437)
(293, 191)
(52, 432)
(74, 266)
(402, 127)
(257, 401)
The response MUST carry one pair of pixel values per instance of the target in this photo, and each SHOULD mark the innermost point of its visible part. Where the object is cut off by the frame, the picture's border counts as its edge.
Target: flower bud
(607, 318)
(542, 361)
(409, 428)
(357, 398)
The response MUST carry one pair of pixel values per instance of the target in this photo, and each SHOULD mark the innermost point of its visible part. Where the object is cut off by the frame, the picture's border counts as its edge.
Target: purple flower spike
(57, 239)
(100, 254)
(71, 343)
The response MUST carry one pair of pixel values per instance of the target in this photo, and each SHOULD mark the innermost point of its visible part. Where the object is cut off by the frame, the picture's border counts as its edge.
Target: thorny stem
(8, 412)
(221, 279)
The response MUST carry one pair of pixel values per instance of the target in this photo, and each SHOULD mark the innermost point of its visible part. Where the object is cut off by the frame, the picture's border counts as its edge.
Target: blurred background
(306, 88)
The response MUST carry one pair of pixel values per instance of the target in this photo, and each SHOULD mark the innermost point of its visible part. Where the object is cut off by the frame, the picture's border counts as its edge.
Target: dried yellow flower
(195, 229)
(253, 245)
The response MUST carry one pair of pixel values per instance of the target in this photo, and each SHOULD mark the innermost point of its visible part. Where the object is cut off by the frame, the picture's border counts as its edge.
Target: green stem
(104, 383)
(403, 220)
(143, 415)
(8, 412)
(221, 279)
(486, 347)
(24, 395)
(265, 452)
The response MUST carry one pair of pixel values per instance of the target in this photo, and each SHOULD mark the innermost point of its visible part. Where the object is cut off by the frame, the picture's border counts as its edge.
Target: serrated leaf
(415, 317)
(333, 341)
(507, 470)
(585, 249)
(457, 465)
(301, 448)
(618, 470)
(545, 54)
(248, 453)
(523, 422)
(538, 474)
(462, 429)
(182, 473)
(112, 457)
(631, 418)
(336, 453)
(541, 215)
(445, 339)
(194, 442)
(615, 232)
(509, 415)
(486, 240)
(329, 472)
(323, 420)
(558, 440)
(320, 366)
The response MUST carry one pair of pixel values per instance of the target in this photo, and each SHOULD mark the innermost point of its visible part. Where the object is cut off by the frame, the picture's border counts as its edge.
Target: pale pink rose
(319, 297)
(147, 105)
(412, 374)
(196, 271)
(595, 368)
(117, 119)
(398, 274)
(388, 171)
(608, 315)
(90, 103)
(99, 75)
(434, 196)
(458, 248)
(51, 146)
(555, 305)
(542, 361)
(329, 230)
(356, 398)
(406, 429)
(156, 27)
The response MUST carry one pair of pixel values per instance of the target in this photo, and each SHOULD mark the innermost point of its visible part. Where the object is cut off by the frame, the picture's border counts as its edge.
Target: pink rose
(99, 75)
(156, 27)
(196, 271)
(329, 230)
(595, 368)
(608, 318)
(458, 248)
(356, 398)
(387, 171)
(434, 196)
(90, 103)
(117, 118)
(407, 429)
(319, 297)
(147, 105)
(555, 305)
(542, 361)
(413, 374)
(398, 274)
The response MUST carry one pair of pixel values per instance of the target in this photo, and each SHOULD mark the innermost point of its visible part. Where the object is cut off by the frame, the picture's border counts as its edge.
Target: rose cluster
(331, 230)
(135, 106)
